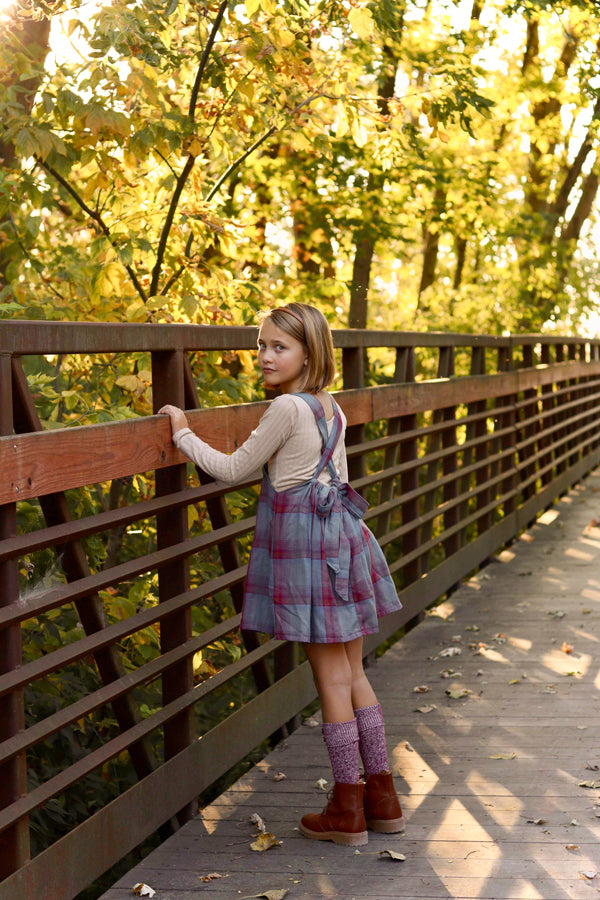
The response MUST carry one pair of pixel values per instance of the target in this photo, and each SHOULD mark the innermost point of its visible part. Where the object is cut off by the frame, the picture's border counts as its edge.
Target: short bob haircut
(309, 326)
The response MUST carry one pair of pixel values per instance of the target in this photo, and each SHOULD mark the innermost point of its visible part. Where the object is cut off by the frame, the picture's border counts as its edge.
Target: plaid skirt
(316, 572)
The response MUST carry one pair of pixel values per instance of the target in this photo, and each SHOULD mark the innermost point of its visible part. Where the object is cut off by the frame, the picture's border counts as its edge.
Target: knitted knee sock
(371, 734)
(341, 739)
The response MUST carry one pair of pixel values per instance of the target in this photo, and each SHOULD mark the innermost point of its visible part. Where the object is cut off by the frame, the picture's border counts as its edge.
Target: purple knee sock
(341, 739)
(371, 735)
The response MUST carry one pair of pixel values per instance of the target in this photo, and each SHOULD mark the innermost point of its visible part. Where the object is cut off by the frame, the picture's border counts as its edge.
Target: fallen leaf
(573, 822)
(566, 648)
(321, 784)
(311, 722)
(451, 651)
(500, 638)
(589, 875)
(269, 895)
(421, 689)
(264, 842)
(593, 767)
(426, 709)
(143, 890)
(571, 846)
(211, 877)
(255, 819)
(472, 628)
(536, 821)
(391, 854)
(458, 694)
(589, 784)
(549, 689)
(503, 756)
(557, 613)
(279, 776)
(515, 681)
(450, 673)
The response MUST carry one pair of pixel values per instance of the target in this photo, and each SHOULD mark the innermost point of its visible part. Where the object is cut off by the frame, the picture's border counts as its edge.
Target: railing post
(406, 367)
(172, 528)
(353, 377)
(530, 428)
(508, 441)
(450, 462)
(14, 841)
(477, 430)
(548, 404)
(438, 438)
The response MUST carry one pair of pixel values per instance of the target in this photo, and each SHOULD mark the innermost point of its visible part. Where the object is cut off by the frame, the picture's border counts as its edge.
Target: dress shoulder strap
(329, 439)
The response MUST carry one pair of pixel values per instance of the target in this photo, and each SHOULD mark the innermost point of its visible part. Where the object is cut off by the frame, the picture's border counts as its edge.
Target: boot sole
(338, 837)
(386, 826)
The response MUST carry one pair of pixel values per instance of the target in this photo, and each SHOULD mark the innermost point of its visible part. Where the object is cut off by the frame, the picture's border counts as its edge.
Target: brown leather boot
(343, 819)
(382, 807)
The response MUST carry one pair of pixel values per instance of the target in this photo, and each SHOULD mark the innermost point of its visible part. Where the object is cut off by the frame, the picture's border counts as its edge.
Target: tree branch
(96, 217)
(227, 173)
(559, 206)
(190, 161)
(204, 59)
(572, 230)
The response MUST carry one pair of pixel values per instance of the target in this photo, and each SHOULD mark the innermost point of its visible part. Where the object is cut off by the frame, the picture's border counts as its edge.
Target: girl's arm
(271, 433)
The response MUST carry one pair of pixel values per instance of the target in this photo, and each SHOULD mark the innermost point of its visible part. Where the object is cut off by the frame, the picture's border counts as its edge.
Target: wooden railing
(454, 467)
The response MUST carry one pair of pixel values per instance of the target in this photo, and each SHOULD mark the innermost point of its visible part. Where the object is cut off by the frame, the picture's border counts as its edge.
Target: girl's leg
(382, 809)
(333, 680)
(371, 728)
(343, 819)
(332, 673)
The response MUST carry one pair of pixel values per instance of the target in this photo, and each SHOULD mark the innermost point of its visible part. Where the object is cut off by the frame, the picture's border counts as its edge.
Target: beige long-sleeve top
(287, 437)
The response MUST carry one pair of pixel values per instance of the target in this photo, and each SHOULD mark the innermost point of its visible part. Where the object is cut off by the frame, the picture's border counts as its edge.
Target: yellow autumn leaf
(391, 854)
(301, 142)
(362, 22)
(252, 6)
(129, 382)
(284, 37)
(265, 841)
(341, 125)
(359, 133)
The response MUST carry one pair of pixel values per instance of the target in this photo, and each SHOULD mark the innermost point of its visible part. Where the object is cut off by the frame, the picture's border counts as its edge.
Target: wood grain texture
(58, 460)
(516, 827)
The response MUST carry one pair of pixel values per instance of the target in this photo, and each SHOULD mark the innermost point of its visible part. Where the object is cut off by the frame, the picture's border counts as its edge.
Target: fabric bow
(328, 501)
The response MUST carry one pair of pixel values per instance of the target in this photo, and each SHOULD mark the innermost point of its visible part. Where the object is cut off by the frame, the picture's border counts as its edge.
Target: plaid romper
(316, 572)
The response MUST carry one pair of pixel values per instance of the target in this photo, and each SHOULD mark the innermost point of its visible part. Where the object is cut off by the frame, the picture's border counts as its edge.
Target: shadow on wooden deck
(500, 788)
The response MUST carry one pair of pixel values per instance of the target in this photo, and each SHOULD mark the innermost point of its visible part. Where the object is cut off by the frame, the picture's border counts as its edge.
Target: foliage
(395, 164)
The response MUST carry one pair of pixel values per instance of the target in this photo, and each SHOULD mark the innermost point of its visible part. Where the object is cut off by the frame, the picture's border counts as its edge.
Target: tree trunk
(367, 234)
(27, 38)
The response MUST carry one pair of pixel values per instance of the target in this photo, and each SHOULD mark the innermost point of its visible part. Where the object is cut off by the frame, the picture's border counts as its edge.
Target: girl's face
(280, 357)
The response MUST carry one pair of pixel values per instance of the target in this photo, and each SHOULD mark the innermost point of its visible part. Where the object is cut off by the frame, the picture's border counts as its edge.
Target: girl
(316, 573)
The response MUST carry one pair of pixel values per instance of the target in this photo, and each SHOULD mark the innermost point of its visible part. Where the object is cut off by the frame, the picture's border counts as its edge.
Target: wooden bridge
(471, 440)
(500, 779)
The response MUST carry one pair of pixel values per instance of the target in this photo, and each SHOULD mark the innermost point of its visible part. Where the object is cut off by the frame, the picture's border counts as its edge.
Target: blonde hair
(309, 326)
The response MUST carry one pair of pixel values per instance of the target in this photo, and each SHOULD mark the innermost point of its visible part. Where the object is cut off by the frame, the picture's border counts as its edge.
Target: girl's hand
(176, 415)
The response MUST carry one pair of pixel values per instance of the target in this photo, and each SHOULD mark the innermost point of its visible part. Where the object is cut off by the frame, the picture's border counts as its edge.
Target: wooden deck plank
(523, 826)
